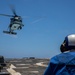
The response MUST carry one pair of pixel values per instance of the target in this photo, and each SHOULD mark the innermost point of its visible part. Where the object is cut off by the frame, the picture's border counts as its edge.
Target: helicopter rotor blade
(13, 10)
(6, 15)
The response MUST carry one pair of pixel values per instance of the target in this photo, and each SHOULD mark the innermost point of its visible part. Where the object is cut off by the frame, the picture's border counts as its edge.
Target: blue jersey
(58, 63)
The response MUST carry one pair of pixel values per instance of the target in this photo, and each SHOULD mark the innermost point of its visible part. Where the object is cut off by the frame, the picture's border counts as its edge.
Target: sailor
(63, 63)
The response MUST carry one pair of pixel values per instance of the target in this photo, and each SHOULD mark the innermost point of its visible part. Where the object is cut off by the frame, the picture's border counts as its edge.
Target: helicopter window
(20, 20)
(14, 26)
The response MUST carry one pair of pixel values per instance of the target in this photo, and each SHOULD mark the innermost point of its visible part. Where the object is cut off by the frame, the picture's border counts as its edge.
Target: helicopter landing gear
(8, 32)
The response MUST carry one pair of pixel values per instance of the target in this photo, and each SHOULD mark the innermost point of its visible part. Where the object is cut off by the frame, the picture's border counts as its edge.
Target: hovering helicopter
(15, 23)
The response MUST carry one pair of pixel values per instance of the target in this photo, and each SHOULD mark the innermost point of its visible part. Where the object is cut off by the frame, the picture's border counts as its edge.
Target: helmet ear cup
(63, 48)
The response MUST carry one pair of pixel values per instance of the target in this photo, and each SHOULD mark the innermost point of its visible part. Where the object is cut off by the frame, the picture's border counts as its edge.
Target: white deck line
(13, 72)
(12, 66)
(15, 61)
(22, 67)
(22, 64)
(41, 64)
(34, 71)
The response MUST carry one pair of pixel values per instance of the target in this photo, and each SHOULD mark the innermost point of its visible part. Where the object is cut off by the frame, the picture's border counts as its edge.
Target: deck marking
(41, 64)
(11, 71)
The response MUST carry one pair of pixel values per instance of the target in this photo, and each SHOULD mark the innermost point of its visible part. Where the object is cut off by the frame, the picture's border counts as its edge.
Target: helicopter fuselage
(15, 23)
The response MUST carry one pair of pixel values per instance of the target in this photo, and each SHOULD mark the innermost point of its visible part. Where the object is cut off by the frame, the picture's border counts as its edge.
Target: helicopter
(15, 23)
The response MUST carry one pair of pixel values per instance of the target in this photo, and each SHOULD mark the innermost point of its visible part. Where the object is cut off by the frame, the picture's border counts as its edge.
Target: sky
(46, 23)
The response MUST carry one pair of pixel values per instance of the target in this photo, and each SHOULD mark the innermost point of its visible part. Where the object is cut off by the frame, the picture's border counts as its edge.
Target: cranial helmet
(68, 44)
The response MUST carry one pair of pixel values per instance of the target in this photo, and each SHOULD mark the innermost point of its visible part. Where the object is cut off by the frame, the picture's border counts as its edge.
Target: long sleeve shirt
(58, 62)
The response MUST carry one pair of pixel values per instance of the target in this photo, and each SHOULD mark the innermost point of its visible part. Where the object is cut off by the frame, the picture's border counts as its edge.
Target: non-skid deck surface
(27, 66)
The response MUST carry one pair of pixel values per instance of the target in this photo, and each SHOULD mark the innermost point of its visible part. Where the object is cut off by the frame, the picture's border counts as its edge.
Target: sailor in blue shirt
(64, 63)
